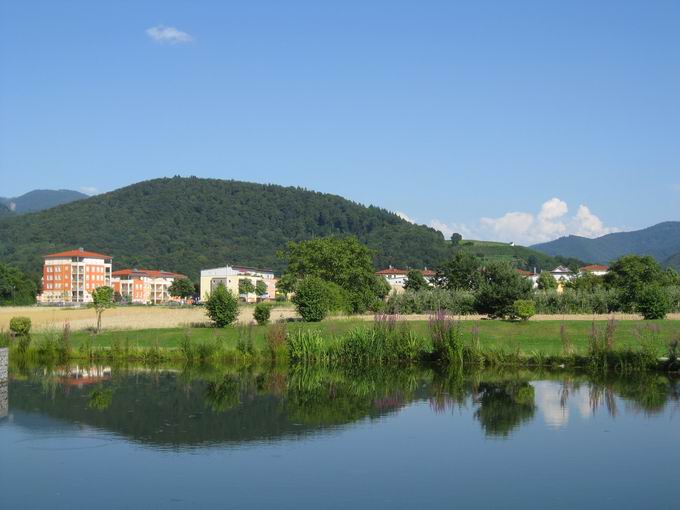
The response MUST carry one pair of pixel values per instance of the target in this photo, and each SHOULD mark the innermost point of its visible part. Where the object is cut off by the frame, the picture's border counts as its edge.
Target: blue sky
(513, 120)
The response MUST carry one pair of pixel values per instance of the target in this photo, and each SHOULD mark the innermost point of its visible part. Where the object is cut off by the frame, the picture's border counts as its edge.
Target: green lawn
(540, 336)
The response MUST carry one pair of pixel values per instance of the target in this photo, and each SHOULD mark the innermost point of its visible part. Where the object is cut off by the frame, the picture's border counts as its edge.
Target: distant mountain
(660, 241)
(4, 210)
(673, 261)
(40, 199)
(188, 224)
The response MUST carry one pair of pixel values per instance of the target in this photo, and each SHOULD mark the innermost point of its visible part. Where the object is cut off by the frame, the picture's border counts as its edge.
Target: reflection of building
(144, 286)
(71, 276)
(229, 276)
(83, 376)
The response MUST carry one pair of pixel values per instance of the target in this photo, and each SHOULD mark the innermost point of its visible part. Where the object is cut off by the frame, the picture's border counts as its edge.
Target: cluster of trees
(16, 287)
(633, 284)
(331, 274)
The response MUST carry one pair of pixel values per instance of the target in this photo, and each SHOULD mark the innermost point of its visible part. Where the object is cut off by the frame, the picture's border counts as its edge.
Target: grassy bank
(617, 344)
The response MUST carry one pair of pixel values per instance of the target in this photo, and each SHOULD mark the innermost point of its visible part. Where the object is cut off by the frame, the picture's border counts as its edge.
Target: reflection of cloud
(548, 396)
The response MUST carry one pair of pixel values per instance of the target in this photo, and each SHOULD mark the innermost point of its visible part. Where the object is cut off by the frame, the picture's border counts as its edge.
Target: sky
(509, 120)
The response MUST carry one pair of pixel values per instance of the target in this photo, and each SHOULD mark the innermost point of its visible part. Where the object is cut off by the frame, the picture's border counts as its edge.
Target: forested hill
(660, 241)
(186, 224)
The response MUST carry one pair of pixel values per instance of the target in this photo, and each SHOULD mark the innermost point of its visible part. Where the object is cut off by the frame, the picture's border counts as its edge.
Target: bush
(501, 286)
(454, 302)
(524, 309)
(20, 326)
(312, 299)
(652, 302)
(597, 301)
(276, 338)
(222, 307)
(262, 313)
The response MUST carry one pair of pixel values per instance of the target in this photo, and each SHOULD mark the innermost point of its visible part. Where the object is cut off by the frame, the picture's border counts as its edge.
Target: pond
(103, 437)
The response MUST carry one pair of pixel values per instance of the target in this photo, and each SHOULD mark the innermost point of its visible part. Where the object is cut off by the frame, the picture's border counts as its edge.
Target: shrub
(262, 313)
(276, 338)
(454, 302)
(222, 307)
(311, 299)
(524, 309)
(501, 286)
(20, 326)
(652, 302)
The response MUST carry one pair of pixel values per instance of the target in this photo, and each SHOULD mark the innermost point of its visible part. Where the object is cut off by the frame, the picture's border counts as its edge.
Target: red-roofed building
(595, 269)
(71, 276)
(144, 286)
(397, 277)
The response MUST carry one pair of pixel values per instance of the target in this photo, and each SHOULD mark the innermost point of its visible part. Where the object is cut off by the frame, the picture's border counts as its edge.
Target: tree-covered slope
(673, 261)
(660, 241)
(186, 224)
(41, 199)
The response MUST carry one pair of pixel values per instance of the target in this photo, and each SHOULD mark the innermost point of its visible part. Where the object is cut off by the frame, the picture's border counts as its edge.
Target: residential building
(397, 277)
(562, 274)
(144, 286)
(532, 276)
(71, 276)
(230, 276)
(594, 269)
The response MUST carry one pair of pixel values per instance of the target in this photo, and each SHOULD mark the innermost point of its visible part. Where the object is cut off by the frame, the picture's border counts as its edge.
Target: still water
(97, 437)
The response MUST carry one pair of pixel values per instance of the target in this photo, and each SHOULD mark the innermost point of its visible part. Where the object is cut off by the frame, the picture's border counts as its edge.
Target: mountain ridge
(41, 199)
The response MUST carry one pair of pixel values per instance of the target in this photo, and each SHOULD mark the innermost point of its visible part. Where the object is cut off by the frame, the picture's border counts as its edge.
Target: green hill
(519, 256)
(660, 241)
(673, 261)
(186, 224)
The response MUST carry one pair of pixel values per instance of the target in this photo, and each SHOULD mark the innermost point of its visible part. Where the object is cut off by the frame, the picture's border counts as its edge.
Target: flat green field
(543, 336)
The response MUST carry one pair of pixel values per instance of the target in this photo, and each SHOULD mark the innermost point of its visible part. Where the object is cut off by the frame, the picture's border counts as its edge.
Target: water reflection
(178, 408)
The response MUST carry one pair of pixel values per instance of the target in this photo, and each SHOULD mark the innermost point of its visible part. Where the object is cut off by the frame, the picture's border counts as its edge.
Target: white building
(594, 269)
(397, 277)
(229, 276)
(562, 274)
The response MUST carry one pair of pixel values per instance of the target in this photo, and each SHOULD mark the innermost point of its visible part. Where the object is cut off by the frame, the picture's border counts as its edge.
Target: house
(397, 277)
(144, 286)
(230, 276)
(71, 276)
(529, 275)
(594, 269)
(562, 274)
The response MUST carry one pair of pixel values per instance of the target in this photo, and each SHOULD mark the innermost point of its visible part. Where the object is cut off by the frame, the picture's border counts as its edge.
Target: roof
(395, 271)
(561, 269)
(522, 272)
(594, 267)
(77, 253)
(149, 273)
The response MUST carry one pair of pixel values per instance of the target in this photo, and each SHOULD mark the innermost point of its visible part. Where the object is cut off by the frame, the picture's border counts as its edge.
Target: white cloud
(449, 228)
(168, 35)
(549, 223)
(404, 216)
(89, 190)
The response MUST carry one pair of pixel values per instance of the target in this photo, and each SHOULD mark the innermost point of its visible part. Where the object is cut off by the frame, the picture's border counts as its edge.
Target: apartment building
(144, 286)
(398, 277)
(229, 276)
(71, 276)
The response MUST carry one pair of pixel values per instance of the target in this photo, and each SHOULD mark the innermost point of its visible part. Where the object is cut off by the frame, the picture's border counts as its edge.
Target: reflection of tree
(645, 392)
(504, 406)
(100, 398)
(223, 394)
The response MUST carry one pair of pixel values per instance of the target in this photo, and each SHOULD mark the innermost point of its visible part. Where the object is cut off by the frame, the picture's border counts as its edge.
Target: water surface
(99, 437)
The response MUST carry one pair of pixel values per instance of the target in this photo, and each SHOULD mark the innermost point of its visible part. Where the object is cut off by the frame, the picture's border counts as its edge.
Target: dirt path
(139, 317)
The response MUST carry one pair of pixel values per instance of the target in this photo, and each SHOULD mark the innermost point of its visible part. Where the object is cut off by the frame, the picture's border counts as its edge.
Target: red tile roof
(149, 273)
(522, 272)
(594, 267)
(77, 253)
(394, 271)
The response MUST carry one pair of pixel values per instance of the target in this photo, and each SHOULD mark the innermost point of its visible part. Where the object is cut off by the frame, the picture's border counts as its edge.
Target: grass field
(534, 336)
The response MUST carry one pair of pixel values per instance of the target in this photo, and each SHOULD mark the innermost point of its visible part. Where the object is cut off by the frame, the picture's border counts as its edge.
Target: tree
(222, 306)
(456, 238)
(245, 286)
(102, 299)
(415, 281)
(652, 302)
(311, 298)
(500, 287)
(261, 288)
(262, 313)
(343, 261)
(182, 288)
(631, 274)
(546, 281)
(586, 282)
(16, 288)
(461, 272)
